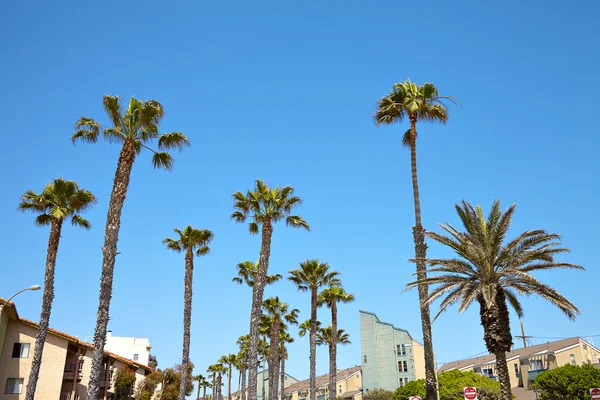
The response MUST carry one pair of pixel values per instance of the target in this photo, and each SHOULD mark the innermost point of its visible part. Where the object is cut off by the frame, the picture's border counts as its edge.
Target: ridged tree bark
(282, 378)
(420, 255)
(187, 320)
(243, 395)
(47, 299)
(274, 359)
(257, 299)
(198, 394)
(333, 353)
(313, 344)
(220, 386)
(109, 253)
(264, 388)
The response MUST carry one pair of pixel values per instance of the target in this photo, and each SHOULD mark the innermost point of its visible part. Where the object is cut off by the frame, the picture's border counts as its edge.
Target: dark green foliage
(378, 394)
(124, 381)
(452, 384)
(567, 382)
(170, 379)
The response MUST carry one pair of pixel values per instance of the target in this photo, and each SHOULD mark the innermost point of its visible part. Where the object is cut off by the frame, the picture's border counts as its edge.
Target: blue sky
(284, 92)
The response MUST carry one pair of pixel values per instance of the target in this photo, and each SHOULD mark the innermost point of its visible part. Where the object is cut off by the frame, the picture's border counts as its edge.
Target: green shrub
(567, 382)
(378, 394)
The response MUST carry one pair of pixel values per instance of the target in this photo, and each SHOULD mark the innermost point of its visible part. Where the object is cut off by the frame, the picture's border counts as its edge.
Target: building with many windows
(390, 356)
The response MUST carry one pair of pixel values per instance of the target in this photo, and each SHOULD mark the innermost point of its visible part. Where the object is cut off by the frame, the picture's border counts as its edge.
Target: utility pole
(523, 335)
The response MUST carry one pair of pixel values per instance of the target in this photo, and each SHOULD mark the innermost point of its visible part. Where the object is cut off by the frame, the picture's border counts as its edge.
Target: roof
(549, 347)
(350, 393)
(11, 306)
(387, 323)
(322, 380)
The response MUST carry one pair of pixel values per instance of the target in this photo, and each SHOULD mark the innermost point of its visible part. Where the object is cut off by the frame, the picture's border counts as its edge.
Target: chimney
(108, 334)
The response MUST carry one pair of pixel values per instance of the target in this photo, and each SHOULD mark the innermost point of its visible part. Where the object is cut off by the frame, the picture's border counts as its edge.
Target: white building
(136, 349)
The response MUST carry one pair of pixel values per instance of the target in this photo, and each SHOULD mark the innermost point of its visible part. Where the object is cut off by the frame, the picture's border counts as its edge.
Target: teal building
(390, 356)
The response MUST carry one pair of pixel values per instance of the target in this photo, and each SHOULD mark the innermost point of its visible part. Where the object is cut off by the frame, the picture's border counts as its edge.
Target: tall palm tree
(418, 103)
(265, 206)
(492, 273)
(247, 271)
(60, 200)
(324, 336)
(331, 297)
(284, 339)
(229, 360)
(190, 241)
(311, 276)
(134, 128)
(243, 343)
(276, 318)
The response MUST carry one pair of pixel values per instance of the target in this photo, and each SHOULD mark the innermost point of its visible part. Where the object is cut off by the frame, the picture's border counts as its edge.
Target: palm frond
(43, 220)
(86, 130)
(173, 141)
(77, 220)
(162, 160)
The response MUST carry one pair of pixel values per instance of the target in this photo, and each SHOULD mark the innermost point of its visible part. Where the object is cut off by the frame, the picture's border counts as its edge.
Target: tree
(311, 276)
(263, 354)
(331, 297)
(60, 200)
(378, 394)
(452, 384)
(190, 241)
(247, 271)
(265, 206)
(124, 381)
(284, 338)
(168, 380)
(325, 336)
(418, 103)
(217, 370)
(134, 128)
(200, 379)
(567, 382)
(152, 362)
(492, 273)
(229, 360)
(243, 343)
(275, 320)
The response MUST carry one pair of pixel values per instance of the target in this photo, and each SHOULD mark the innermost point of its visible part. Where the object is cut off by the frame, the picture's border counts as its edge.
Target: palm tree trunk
(47, 299)
(313, 345)
(257, 298)
(187, 320)
(282, 377)
(229, 384)
(220, 386)
(333, 353)
(503, 376)
(274, 360)
(109, 253)
(198, 395)
(244, 396)
(264, 390)
(431, 383)
(204, 392)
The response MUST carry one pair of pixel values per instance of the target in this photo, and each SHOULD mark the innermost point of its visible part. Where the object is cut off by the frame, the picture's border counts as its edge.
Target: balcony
(69, 372)
(67, 396)
(532, 374)
(492, 377)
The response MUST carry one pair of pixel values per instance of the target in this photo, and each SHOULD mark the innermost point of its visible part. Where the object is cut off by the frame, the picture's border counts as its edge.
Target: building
(526, 363)
(136, 349)
(390, 356)
(348, 384)
(263, 379)
(66, 362)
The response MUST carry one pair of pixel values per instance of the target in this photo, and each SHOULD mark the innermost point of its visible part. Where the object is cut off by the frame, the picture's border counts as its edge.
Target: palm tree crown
(324, 336)
(277, 310)
(247, 271)
(264, 203)
(333, 295)
(312, 275)
(137, 124)
(304, 328)
(196, 240)
(60, 199)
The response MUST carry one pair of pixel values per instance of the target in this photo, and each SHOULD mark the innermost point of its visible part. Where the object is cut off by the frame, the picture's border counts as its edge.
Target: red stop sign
(595, 393)
(470, 393)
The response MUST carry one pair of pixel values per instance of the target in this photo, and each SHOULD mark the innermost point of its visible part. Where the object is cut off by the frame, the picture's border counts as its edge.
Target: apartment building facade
(133, 348)
(526, 363)
(348, 385)
(390, 356)
(66, 362)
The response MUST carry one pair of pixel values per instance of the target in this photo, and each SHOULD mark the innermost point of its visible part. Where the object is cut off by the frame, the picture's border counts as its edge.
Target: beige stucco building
(348, 386)
(66, 362)
(526, 363)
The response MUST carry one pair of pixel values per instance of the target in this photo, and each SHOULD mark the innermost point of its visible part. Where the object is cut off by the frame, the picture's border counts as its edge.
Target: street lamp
(34, 287)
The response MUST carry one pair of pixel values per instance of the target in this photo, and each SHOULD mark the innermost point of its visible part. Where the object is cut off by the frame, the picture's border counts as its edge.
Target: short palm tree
(492, 273)
(277, 316)
(331, 297)
(192, 242)
(247, 274)
(265, 206)
(60, 200)
(200, 379)
(284, 339)
(418, 103)
(229, 360)
(205, 384)
(311, 276)
(213, 371)
(243, 342)
(134, 128)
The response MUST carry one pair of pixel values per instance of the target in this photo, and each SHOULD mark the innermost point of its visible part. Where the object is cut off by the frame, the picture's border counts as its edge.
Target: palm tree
(264, 206)
(230, 360)
(247, 274)
(284, 338)
(275, 320)
(217, 369)
(243, 342)
(213, 370)
(263, 354)
(418, 103)
(492, 273)
(205, 384)
(200, 379)
(324, 336)
(311, 276)
(331, 297)
(135, 128)
(60, 200)
(190, 241)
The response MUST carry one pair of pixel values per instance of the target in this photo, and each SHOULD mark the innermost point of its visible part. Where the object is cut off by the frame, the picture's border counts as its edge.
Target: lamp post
(34, 287)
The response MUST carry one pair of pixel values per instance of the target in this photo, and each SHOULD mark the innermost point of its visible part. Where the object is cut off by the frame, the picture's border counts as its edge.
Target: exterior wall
(3, 326)
(53, 362)
(379, 342)
(127, 347)
(418, 359)
(564, 357)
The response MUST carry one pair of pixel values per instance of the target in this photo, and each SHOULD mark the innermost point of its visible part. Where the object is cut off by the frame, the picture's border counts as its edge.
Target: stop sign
(470, 393)
(595, 393)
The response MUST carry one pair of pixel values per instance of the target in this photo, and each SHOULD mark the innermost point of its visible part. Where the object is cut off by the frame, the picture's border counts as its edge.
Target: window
(402, 366)
(403, 381)
(536, 365)
(364, 359)
(135, 357)
(20, 350)
(14, 386)
(488, 371)
(401, 349)
(517, 370)
(584, 347)
(340, 389)
(573, 361)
